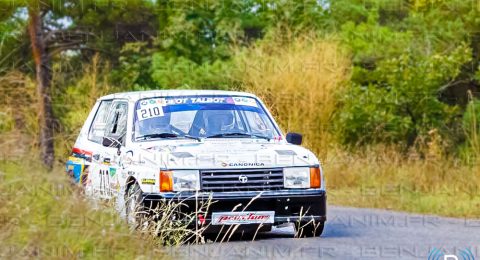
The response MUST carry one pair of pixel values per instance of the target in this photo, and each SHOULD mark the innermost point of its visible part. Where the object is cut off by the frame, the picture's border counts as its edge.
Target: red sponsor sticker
(232, 218)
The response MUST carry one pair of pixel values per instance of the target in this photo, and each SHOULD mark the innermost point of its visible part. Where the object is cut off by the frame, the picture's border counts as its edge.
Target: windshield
(202, 117)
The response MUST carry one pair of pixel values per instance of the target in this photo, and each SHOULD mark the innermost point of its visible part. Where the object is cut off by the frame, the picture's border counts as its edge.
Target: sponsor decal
(233, 218)
(246, 164)
(82, 154)
(106, 161)
(245, 101)
(240, 101)
(148, 181)
(150, 110)
(75, 167)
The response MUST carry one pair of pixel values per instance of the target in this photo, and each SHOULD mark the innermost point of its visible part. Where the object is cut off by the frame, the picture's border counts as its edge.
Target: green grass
(43, 216)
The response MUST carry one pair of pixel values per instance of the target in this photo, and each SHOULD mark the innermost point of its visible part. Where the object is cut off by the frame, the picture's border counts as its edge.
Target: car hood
(228, 153)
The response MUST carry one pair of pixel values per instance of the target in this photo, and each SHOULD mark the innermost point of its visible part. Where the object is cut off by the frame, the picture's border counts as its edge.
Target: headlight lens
(186, 180)
(297, 177)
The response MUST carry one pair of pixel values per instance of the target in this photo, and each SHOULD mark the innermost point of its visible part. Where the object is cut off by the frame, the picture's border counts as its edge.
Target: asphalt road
(353, 233)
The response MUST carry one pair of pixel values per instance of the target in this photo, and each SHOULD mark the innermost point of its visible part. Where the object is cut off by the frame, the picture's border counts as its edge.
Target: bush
(393, 95)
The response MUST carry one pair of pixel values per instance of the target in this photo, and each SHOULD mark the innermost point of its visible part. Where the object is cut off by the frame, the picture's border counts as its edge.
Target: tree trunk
(44, 77)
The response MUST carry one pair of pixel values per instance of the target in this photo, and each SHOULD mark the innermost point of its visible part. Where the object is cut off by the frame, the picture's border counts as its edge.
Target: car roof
(136, 95)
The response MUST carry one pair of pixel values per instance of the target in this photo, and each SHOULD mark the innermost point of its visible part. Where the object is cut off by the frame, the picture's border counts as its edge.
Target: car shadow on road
(332, 231)
(339, 231)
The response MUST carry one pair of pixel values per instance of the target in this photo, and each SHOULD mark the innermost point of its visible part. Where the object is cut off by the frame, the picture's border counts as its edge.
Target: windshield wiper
(238, 134)
(167, 135)
(192, 137)
(157, 135)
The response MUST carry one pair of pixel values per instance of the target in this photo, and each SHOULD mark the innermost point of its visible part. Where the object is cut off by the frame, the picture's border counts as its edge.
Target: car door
(105, 162)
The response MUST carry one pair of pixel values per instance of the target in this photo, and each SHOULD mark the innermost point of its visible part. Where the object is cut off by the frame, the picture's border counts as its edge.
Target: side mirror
(294, 138)
(110, 142)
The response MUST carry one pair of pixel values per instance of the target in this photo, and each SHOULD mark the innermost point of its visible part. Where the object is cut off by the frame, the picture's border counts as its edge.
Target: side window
(258, 123)
(97, 129)
(117, 121)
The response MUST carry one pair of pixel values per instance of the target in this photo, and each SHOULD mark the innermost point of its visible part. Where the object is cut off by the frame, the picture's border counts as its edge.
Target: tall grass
(300, 81)
(18, 116)
(42, 216)
(471, 123)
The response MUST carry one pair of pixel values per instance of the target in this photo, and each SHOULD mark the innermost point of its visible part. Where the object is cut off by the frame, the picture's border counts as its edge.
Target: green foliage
(399, 72)
(183, 73)
(12, 42)
(203, 31)
(134, 70)
(74, 99)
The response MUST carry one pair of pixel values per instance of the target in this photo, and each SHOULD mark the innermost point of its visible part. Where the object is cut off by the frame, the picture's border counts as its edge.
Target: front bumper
(288, 205)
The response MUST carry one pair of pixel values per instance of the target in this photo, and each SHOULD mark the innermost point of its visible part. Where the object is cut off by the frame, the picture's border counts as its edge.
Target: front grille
(230, 180)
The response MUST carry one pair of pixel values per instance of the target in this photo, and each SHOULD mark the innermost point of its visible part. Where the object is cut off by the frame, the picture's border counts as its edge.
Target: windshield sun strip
(259, 104)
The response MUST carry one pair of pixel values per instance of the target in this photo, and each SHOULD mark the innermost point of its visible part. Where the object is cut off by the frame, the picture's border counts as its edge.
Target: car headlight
(297, 177)
(186, 180)
(181, 180)
(302, 177)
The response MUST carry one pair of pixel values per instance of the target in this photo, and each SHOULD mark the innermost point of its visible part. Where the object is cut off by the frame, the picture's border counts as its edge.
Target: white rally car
(193, 145)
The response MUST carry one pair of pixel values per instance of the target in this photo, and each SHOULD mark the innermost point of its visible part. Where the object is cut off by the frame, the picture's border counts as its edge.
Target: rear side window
(97, 129)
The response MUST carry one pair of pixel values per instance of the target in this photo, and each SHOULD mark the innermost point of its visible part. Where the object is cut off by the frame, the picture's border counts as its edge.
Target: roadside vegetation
(385, 93)
(43, 216)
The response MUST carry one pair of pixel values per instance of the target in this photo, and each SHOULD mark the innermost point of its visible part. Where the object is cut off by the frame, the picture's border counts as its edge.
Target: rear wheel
(309, 229)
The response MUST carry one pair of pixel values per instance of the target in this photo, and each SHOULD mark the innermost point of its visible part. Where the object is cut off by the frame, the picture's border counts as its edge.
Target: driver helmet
(219, 121)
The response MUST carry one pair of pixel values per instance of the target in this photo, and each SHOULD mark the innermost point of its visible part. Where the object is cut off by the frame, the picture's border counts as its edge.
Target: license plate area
(246, 217)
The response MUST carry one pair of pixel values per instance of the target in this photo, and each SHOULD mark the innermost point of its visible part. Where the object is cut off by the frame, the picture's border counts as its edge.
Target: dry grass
(381, 177)
(300, 82)
(42, 216)
(18, 112)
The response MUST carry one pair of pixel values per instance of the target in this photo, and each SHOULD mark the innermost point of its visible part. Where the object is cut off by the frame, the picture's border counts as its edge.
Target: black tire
(134, 209)
(309, 229)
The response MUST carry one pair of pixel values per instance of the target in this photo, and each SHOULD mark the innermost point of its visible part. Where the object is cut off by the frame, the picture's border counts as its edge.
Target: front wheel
(134, 209)
(309, 229)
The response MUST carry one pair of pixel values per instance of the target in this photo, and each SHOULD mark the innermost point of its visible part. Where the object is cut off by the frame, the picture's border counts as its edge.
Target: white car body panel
(110, 169)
